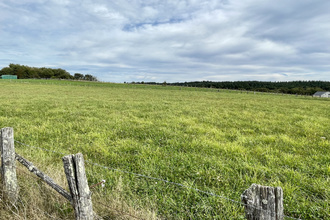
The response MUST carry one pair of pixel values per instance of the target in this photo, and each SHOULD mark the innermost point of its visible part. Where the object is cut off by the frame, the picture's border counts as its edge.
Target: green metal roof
(8, 77)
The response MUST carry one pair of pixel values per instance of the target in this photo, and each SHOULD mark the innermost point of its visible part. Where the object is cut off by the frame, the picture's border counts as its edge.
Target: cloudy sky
(173, 41)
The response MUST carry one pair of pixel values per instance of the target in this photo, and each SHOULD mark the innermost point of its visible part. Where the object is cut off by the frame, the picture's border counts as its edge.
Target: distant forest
(294, 87)
(26, 72)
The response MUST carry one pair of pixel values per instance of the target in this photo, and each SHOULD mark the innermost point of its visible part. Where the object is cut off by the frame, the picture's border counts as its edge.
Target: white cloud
(170, 40)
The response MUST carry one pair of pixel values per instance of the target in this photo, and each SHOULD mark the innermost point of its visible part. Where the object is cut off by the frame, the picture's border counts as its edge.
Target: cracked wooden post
(263, 203)
(81, 195)
(8, 165)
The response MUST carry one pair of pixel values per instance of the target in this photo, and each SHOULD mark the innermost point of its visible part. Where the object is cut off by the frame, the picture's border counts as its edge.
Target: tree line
(292, 87)
(26, 72)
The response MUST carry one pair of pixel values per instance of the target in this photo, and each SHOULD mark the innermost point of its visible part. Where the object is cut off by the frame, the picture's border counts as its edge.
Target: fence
(260, 202)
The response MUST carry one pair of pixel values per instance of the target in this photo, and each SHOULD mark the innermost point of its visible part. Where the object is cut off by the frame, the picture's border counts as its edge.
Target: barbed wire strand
(159, 179)
(181, 185)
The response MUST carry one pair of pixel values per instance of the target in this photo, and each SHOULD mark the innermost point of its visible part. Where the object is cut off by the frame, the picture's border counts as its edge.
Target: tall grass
(220, 142)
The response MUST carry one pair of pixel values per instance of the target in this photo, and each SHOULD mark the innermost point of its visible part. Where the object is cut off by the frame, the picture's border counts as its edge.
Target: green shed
(8, 77)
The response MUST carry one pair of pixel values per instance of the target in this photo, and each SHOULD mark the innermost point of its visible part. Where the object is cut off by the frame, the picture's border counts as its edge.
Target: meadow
(219, 141)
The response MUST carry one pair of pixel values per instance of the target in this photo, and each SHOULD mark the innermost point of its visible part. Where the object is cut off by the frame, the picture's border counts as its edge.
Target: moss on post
(8, 165)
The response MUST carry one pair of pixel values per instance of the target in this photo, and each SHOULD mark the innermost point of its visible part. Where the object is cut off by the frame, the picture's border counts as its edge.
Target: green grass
(220, 142)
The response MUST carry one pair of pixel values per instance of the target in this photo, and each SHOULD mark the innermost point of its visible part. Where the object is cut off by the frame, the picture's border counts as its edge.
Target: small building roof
(8, 77)
(321, 93)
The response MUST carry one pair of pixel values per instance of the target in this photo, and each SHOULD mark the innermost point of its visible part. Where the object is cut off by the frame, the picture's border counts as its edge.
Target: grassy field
(216, 141)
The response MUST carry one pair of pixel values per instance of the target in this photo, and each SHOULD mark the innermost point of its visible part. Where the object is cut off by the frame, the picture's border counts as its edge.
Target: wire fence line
(181, 185)
(155, 178)
(141, 175)
(23, 171)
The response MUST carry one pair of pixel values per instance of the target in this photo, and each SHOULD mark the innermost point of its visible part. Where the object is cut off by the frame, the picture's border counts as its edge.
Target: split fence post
(81, 195)
(263, 203)
(8, 165)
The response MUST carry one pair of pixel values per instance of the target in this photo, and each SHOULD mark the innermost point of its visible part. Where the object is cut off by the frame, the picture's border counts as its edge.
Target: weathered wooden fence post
(263, 203)
(81, 195)
(8, 165)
